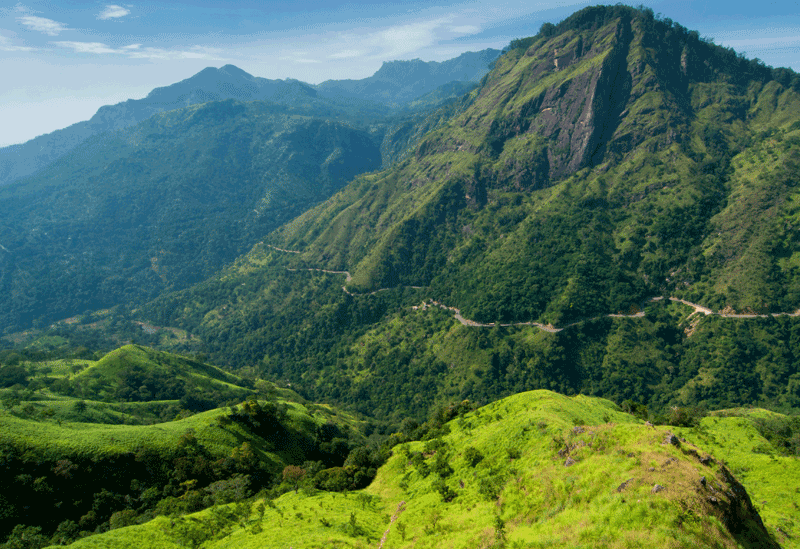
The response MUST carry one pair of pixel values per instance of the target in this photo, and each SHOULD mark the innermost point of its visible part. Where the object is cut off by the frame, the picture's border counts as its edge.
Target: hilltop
(530, 470)
(140, 433)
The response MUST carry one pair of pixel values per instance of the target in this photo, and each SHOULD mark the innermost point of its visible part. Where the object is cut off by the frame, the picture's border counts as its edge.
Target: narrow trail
(699, 310)
(348, 278)
(281, 249)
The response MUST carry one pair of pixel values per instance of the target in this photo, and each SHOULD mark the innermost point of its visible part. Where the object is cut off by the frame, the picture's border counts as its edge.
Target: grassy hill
(74, 444)
(533, 470)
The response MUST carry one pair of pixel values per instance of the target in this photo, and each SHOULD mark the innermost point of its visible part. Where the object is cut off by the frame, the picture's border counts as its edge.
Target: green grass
(771, 479)
(519, 494)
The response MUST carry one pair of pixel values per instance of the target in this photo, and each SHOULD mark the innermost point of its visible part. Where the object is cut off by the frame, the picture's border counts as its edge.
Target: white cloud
(136, 51)
(766, 41)
(42, 24)
(347, 54)
(465, 29)
(6, 45)
(398, 41)
(113, 11)
(86, 47)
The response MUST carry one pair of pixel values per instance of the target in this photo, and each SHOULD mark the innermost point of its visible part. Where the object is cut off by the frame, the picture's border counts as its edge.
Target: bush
(120, 519)
(472, 456)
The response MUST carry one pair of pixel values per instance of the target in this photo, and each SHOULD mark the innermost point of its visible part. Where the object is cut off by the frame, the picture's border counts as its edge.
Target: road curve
(698, 309)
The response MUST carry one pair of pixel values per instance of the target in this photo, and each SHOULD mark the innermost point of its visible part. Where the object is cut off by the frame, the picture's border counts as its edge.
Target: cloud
(6, 45)
(347, 54)
(41, 24)
(465, 29)
(766, 41)
(86, 47)
(136, 51)
(113, 11)
(399, 41)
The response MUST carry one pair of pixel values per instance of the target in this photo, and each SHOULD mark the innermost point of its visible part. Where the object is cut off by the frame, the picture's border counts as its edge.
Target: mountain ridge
(210, 84)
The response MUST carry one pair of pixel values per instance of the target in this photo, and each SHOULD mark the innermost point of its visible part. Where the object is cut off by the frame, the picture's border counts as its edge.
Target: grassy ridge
(74, 455)
(533, 470)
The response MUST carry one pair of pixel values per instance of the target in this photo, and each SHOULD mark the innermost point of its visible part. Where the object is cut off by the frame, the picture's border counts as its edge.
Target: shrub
(472, 456)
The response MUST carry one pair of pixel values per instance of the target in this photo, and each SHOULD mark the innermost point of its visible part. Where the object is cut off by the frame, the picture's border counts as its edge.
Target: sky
(61, 60)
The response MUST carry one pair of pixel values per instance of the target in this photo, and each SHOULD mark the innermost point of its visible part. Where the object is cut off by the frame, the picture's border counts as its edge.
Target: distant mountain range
(400, 82)
(396, 83)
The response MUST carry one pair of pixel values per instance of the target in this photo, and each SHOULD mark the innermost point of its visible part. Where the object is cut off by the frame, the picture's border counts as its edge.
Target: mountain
(590, 221)
(228, 82)
(401, 82)
(231, 82)
(618, 158)
(165, 203)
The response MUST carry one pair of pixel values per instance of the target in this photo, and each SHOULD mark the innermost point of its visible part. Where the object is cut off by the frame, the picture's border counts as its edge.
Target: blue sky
(61, 60)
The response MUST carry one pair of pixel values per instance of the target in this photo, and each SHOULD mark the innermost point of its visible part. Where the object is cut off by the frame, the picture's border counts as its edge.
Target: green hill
(63, 475)
(533, 470)
(165, 203)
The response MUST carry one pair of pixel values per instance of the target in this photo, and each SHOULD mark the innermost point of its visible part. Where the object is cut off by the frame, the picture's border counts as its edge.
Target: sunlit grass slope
(102, 377)
(73, 440)
(534, 470)
(771, 477)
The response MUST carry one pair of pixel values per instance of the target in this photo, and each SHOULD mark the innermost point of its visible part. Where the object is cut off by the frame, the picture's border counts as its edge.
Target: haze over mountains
(563, 225)
(396, 83)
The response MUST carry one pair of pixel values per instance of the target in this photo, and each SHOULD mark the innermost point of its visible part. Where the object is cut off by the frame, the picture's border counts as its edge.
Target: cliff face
(612, 127)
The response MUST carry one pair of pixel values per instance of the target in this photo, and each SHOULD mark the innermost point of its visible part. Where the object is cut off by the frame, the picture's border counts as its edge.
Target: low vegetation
(531, 470)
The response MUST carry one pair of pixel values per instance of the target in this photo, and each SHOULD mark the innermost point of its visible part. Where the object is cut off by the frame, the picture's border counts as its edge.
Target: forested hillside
(608, 160)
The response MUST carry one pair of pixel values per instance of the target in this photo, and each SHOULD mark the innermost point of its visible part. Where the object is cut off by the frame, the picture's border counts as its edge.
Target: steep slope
(606, 159)
(228, 82)
(548, 225)
(534, 470)
(401, 82)
(165, 203)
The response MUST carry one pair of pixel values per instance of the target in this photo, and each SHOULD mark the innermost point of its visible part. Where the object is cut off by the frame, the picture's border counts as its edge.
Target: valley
(541, 297)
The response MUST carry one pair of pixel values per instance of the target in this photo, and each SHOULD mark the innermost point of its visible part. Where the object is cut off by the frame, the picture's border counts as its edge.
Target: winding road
(698, 309)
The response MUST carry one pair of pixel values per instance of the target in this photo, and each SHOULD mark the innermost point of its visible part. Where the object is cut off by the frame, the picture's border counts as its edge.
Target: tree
(293, 475)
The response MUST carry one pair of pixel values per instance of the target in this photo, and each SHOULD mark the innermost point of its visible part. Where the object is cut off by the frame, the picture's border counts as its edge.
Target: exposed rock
(672, 439)
(624, 485)
(569, 462)
(657, 488)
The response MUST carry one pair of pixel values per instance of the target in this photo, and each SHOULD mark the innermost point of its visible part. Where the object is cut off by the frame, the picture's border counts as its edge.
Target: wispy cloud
(347, 54)
(113, 11)
(136, 51)
(6, 45)
(763, 42)
(86, 47)
(399, 41)
(465, 29)
(42, 24)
